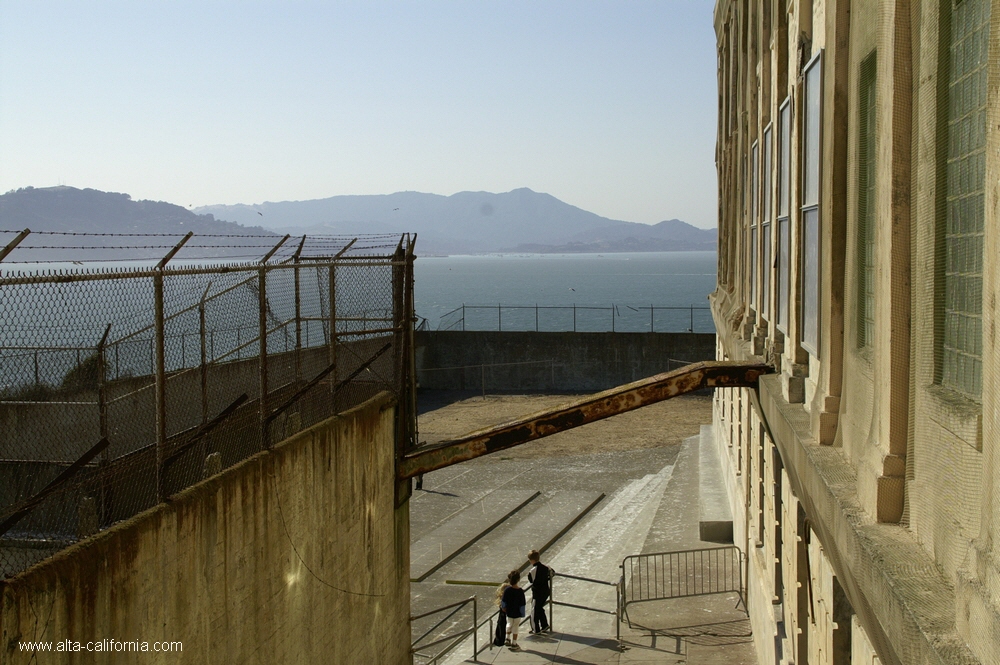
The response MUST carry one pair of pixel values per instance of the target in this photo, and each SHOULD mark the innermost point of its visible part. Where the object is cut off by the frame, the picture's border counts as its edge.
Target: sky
(607, 105)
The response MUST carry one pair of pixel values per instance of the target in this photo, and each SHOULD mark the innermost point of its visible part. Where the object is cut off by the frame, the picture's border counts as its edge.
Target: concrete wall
(529, 361)
(295, 555)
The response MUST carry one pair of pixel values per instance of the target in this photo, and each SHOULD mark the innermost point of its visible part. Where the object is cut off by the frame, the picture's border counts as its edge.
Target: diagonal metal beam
(708, 374)
(12, 245)
(60, 480)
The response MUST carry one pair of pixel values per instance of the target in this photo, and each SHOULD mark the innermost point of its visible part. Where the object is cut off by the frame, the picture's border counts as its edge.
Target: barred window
(866, 202)
(966, 31)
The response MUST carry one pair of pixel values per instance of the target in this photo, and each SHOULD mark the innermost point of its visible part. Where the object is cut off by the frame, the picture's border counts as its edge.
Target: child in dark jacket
(512, 603)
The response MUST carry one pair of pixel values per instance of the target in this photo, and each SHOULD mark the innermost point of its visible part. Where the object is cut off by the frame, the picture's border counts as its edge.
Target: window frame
(754, 210)
(954, 377)
(767, 212)
(783, 222)
(810, 219)
(865, 213)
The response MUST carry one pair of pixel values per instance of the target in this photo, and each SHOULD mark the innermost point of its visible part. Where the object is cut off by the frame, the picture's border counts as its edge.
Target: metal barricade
(681, 574)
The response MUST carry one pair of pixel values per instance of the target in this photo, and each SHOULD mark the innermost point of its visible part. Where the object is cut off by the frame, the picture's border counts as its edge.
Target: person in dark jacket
(540, 582)
(513, 604)
(501, 630)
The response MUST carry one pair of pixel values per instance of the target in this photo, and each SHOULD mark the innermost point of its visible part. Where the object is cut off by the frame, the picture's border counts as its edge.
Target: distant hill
(94, 211)
(670, 236)
(470, 222)
(72, 210)
(465, 223)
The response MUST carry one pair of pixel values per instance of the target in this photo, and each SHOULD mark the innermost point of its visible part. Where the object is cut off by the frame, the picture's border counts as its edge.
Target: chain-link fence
(121, 387)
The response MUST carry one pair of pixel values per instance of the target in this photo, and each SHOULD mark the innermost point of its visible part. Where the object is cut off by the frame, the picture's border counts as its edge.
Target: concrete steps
(463, 528)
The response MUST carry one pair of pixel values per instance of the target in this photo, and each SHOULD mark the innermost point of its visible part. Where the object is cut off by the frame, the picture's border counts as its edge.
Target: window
(754, 197)
(811, 119)
(866, 202)
(765, 228)
(966, 31)
(784, 203)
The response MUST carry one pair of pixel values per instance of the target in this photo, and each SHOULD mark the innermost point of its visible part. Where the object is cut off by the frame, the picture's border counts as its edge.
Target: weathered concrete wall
(528, 361)
(295, 555)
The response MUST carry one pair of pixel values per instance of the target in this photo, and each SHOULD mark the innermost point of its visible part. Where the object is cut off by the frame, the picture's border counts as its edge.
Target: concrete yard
(658, 480)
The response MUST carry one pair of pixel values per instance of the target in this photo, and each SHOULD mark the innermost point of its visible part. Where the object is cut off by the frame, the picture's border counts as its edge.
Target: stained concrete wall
(295, 555)
(530, 361)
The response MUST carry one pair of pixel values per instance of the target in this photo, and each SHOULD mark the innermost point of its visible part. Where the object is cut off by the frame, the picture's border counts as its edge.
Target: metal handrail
(613, 308)
(617, 612)
(455, 638)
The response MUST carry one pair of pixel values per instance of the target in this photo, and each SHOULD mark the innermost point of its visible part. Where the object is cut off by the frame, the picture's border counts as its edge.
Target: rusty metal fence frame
(358, 352)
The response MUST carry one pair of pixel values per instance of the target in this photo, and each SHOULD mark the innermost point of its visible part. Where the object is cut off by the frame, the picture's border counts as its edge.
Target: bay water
(607, 290)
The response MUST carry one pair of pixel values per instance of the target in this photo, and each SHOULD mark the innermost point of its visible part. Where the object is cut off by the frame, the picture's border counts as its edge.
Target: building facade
(859, 252)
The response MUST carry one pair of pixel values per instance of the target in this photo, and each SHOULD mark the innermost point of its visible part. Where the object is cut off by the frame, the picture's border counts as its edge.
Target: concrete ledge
(716, 532)
(904, 603)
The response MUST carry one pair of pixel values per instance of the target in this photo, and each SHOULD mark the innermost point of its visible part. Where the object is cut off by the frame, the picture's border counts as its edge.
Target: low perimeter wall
(296, 555)
(540, 361)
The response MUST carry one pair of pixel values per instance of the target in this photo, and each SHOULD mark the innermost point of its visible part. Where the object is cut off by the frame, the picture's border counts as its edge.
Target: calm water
(630, 281)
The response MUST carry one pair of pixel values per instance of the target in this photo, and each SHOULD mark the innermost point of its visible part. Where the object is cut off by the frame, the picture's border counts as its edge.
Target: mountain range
(468, 222)
(471, 222)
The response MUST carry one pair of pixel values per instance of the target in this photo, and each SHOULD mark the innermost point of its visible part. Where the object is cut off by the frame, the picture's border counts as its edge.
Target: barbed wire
(181, 234)
(222, 251)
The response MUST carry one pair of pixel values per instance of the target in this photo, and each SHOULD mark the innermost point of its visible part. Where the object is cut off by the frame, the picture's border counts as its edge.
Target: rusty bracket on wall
(708, 374)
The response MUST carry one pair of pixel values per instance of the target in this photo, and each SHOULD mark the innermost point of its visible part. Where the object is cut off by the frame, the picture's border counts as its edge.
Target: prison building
(858, 164)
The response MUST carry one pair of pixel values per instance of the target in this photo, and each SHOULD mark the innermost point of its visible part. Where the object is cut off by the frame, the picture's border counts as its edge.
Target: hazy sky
(609, 106)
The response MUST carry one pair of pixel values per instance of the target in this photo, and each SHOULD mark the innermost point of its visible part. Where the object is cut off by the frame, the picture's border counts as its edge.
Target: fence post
(552, 595)
(612, 317)
(36, 367)
(574, 317)
(298, 312)
(651, 318)
(410, 318)
(475, 632)
(203, 353)
(499, 319)
(262, 357)
(102, 414)
(463, 317)
(161, 368)
(332, 324)
(536, 317)
(161, 383)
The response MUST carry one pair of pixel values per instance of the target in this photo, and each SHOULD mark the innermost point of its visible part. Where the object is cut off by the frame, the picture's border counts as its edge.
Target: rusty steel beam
(708, 374)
